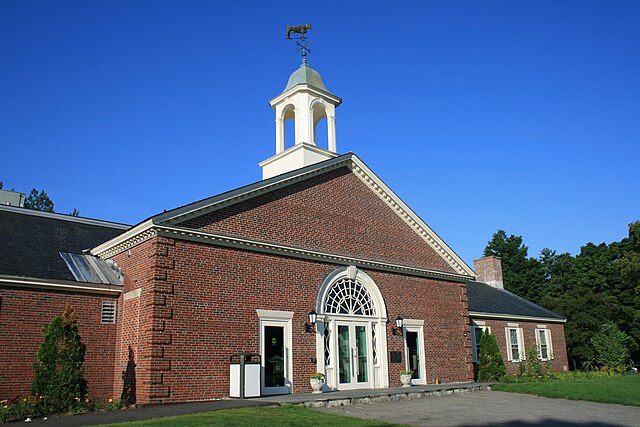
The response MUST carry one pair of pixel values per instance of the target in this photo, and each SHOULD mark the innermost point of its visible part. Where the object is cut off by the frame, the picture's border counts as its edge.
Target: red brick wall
(25, 312)
(443, 307)
(559, 363)
(210, 314)
(335, 212)
(138, 329)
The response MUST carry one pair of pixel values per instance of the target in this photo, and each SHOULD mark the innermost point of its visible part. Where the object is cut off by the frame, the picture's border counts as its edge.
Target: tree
(38, 201)
(522, 275)
(59, 376)
(490, 363)
(611, 346)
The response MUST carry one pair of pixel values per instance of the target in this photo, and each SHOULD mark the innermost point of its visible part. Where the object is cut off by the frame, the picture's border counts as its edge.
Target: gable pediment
(337, 207)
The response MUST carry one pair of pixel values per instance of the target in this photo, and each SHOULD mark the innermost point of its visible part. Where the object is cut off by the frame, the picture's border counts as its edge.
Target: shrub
(611, 346)
(59, 383)
(534, 365)
(490, 363)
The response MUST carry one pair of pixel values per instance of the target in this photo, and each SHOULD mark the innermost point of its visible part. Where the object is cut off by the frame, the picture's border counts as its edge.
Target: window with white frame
(515, 345)
(543, 341)
(476, 334)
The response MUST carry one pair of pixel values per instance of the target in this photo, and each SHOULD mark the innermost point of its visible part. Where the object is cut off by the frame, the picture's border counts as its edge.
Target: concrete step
(354, 397)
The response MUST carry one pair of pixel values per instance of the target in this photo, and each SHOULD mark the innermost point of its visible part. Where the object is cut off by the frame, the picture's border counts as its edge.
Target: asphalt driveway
(492, 408)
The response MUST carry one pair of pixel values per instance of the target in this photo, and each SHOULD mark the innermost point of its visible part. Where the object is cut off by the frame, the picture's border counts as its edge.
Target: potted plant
(317, 382)
(405, 377)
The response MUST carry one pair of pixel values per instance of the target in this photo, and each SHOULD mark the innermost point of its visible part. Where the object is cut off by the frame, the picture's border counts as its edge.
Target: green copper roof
(306, 75)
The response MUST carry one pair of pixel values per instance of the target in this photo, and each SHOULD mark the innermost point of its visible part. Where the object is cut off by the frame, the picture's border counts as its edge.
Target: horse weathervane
(301, 41)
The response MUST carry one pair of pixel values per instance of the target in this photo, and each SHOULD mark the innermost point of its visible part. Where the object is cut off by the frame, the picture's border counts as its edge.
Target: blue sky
(480, 115)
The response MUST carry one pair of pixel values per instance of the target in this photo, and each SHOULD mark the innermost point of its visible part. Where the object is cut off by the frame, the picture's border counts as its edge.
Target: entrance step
(354, 397)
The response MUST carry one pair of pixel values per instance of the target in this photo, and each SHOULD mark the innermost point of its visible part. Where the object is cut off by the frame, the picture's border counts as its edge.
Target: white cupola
(306, 101)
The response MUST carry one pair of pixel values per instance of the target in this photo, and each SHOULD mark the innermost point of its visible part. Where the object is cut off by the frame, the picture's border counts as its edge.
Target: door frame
(281, 319)
(415, 325)
(352, 344)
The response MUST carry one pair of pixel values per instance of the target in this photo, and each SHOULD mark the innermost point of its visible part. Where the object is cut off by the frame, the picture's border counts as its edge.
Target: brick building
(165, 303)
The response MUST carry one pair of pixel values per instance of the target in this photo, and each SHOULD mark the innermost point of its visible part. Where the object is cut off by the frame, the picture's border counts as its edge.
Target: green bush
(490, 363)
(59, 384)
(534, 365)
(564, 376)
(611, 346)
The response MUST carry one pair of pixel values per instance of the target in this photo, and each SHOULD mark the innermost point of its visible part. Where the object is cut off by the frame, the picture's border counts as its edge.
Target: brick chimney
(489, 271)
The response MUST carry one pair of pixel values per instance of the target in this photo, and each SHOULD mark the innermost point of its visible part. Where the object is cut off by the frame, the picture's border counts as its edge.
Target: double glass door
(354, 349)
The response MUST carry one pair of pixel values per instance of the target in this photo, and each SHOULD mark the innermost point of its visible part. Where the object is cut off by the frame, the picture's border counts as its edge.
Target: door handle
(355, 362)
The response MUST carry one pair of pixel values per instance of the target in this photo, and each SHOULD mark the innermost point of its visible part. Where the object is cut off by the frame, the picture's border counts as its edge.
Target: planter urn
(406, 380)
(316, 384)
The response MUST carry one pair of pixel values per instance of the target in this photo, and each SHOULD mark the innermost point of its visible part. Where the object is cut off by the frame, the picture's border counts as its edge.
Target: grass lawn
(624, 390)
(257, 417)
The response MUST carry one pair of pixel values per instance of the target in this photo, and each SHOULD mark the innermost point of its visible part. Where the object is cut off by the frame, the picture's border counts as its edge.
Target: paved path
(492, 408)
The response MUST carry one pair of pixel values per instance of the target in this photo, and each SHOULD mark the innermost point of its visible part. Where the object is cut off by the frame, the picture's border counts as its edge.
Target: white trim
(547, 333)
(371, 368)
(296, 252)
(463, 271)
(58, 285)
(132, 294)
(125, 241)
(367, 176)
(364, 279)
(415, 325)
(279, 319)
(379, 375)
(412, 323)
(297, 147)
(473, 314)
(305, 88)
(475, 344)
(274, 314)
(520, 338)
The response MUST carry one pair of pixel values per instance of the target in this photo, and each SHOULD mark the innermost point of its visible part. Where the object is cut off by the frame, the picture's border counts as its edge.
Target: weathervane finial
(302, 44)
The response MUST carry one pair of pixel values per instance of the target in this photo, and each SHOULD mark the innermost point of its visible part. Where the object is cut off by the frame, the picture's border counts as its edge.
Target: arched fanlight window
(348, 296)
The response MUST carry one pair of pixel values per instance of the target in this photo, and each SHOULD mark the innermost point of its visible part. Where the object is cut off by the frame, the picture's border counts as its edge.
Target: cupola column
(331, 131)
(279, 135)
(306, 101)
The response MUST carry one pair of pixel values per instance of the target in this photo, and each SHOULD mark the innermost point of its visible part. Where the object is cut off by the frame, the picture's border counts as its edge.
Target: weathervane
(301, 41)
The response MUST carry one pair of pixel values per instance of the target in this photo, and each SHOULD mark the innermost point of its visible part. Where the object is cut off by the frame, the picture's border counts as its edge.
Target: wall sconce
(398, 329)
(313, 316)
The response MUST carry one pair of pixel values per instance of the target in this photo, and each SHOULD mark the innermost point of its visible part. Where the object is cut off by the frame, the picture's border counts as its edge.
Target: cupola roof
(306, 75)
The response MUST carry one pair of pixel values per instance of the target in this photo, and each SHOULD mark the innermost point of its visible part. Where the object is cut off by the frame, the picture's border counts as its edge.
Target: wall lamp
(310, 327)
(398, 329)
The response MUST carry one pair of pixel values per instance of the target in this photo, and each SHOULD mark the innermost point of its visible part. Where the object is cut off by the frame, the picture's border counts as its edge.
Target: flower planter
(316, 384)
(406, 380)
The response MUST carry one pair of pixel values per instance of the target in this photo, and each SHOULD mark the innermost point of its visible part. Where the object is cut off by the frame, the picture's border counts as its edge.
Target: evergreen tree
(59, 375)
(38, 201)
(611, 346)
(490, 363)
(522, 275)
